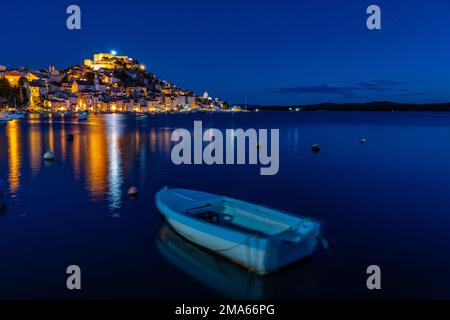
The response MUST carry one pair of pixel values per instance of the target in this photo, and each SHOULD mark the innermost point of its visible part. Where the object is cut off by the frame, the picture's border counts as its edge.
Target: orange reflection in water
(137, 141)
(35, 149)
(103, 154)
(96, 161)
(76, 150)
(51, 139)
(160, 140)
(167, 143)
(63, 139)
(14, 155)
(152, 140)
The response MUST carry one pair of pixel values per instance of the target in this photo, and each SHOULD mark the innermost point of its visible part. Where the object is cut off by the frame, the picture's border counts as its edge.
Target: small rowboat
(260, 238)
(8, 116)
(5, 119)
(83, 116)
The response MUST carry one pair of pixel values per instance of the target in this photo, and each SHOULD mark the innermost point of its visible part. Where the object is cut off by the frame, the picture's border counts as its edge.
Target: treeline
(14, 95)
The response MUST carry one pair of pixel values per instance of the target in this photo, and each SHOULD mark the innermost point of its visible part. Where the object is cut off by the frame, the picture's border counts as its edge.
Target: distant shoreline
(369, 106)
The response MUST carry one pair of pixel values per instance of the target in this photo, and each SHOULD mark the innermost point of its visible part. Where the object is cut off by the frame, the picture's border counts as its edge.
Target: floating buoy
(133, 191)
(70, 137)
(315, 148)
(363, 140)
(49, 155)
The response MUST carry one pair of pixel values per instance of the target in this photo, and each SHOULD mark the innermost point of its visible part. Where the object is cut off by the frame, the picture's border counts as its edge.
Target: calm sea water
(386, 202)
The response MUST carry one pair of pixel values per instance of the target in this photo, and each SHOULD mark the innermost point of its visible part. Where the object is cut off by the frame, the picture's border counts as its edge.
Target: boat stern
(294, 245)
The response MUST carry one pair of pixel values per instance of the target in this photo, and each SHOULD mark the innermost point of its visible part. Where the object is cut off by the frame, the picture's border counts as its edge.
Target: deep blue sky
(273, 52)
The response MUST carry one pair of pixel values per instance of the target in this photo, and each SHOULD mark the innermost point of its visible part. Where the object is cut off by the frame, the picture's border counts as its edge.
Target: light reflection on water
(379, 200)
(96, 155)
(35, 149)
(114, 164)
(14, 156)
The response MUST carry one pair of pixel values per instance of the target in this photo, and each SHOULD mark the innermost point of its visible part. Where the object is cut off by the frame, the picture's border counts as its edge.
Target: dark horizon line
(358, 106)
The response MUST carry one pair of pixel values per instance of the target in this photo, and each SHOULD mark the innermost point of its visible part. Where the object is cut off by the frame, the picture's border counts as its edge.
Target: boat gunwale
(180, 210)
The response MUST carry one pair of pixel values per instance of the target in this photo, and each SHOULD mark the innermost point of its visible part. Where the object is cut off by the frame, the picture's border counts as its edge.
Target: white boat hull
(258, 253)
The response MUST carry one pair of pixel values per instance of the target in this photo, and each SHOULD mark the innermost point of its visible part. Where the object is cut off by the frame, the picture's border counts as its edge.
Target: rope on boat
(234, 245)
(325, 243)
(180, 195)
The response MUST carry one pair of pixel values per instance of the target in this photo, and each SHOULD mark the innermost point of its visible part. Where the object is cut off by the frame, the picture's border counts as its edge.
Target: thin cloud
(322, 89)
(349, 92)
(379, 85)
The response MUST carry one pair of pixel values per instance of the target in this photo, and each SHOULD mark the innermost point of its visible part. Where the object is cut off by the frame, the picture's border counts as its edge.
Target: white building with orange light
(107, 61)
(13, 77)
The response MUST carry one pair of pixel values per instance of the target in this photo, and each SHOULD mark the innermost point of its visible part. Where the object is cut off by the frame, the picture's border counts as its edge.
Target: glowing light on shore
(113, 52)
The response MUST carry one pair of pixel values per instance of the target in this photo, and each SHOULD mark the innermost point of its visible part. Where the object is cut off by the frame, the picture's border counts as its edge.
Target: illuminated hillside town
(106, 83)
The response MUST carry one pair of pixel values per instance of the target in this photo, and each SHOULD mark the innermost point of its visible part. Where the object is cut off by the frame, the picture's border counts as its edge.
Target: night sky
(272, 52)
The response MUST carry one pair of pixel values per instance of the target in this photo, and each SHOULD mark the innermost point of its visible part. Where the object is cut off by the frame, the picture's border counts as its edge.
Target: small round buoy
(133, 191)
(49, 155)
(70, 137)
(363, 140)
(315, 148)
